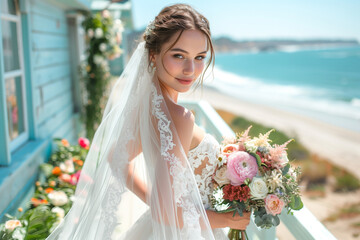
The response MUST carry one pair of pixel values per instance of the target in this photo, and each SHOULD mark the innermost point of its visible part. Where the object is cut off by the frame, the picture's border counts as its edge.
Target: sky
(267, 19)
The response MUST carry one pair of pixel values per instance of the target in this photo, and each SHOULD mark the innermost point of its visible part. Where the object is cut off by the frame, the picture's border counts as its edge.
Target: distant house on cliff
(42, 45)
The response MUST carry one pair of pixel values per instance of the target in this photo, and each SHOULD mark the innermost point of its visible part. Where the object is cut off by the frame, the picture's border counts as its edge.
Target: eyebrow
(182, 50)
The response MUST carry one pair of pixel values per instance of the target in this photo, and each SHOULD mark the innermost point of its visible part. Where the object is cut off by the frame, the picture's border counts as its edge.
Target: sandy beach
(336, 144)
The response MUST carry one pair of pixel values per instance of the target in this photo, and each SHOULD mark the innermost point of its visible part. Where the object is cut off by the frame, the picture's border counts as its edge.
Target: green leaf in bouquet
(258, 221)
(260, 212)
(258, 159)
(275, 220)
(46, 168)
(296, 203)
(286, 169)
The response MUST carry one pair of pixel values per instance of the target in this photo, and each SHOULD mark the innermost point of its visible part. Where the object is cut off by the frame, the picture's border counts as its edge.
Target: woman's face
(179, 67)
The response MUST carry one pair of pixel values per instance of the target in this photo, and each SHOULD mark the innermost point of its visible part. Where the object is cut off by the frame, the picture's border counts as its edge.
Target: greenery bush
(103, 37)
(53, 197)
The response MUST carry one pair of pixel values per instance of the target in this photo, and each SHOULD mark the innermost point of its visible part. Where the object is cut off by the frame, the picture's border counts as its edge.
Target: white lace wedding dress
(202, 160)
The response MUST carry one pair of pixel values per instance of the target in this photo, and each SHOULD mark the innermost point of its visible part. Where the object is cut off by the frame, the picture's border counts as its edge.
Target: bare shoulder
(184, 121)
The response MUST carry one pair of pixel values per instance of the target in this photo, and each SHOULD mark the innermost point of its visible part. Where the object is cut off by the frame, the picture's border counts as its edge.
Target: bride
(148, 147)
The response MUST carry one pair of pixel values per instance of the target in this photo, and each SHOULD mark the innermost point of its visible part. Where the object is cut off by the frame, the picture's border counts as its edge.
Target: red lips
(184, 81)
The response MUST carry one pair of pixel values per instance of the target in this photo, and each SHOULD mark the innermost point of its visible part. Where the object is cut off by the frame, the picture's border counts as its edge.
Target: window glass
(8, 6)
(10, 45)
(14, 106)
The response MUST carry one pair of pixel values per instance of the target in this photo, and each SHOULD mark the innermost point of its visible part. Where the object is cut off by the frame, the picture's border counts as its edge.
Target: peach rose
(273, 204)
(220, 176)
(12, 224)
(229, 149)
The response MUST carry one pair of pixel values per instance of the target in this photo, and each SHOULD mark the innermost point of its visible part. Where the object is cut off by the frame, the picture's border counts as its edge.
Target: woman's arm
(135, 184)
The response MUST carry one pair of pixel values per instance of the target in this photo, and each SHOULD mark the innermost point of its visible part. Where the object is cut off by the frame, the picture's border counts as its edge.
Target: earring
(152, 65)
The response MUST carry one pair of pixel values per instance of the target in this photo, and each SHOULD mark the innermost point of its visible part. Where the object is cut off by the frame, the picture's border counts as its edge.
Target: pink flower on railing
(84, 142)
(75, 178)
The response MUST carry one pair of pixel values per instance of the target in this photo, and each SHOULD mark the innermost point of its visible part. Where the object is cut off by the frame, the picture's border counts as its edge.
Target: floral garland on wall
(103, 37)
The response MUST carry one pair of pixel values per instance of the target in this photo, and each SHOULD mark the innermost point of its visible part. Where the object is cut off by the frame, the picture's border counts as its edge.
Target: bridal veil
(136, 137)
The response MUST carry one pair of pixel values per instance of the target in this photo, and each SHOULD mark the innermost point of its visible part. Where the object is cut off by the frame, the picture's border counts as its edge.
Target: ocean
(319, 83)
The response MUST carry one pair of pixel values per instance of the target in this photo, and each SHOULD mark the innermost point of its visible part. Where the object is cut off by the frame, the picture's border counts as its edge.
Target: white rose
(105, 14)
(220, 176)
(67, 166)
(58, 198)
(250, 146)
(99, 33)
(102, 47)
(12, 224)
(258, 188)
(60, 213)
(98, 59)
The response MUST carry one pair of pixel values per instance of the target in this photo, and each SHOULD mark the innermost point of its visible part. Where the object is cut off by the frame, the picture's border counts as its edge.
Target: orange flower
(52, 183)
(49, 190)
(36, 202)
(65, 142)
(37, 183)
(56, 171)
(80, 162)
(20, 209)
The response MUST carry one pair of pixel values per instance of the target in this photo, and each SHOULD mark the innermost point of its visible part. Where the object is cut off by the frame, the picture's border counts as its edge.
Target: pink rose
(273, 204)
(240, 166)
(84, 142)
(75, 178)
(229, 149)
(65, 177)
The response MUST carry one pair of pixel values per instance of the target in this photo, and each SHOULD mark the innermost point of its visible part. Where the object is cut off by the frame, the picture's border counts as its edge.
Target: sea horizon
(322, 84)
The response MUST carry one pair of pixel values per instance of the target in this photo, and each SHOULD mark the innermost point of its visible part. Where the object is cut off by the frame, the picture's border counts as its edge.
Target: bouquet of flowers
(253, 175)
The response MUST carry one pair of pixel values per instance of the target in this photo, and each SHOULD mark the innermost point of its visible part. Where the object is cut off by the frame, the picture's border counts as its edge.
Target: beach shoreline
(338, 145)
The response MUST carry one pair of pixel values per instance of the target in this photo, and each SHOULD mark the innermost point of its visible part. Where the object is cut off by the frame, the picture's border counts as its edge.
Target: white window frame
(22, 137)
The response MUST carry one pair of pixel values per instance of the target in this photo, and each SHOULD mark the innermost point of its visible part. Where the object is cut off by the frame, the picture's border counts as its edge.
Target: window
(13, 81)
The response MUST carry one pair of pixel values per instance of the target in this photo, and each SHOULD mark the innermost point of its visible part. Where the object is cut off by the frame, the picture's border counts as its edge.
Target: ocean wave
(284, 96)
(228, 79)
(355, 102)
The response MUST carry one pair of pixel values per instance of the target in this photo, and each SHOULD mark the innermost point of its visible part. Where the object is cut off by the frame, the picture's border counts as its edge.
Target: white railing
(302, 224)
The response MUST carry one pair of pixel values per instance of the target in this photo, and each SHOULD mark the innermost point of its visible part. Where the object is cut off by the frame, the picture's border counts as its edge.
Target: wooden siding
(49, 87)
(51, 70)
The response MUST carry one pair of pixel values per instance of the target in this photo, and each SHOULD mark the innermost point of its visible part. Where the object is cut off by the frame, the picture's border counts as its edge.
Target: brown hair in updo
(171, 20)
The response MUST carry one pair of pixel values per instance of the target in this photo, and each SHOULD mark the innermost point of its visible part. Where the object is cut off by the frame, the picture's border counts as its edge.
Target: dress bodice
(203, 161)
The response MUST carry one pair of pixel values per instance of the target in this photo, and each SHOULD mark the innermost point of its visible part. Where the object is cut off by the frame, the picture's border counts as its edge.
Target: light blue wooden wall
(49, 97)
(51, 78)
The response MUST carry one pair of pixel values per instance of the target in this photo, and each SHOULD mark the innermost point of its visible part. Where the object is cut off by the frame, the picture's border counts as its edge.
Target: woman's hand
(237, 222)
(222, 220)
